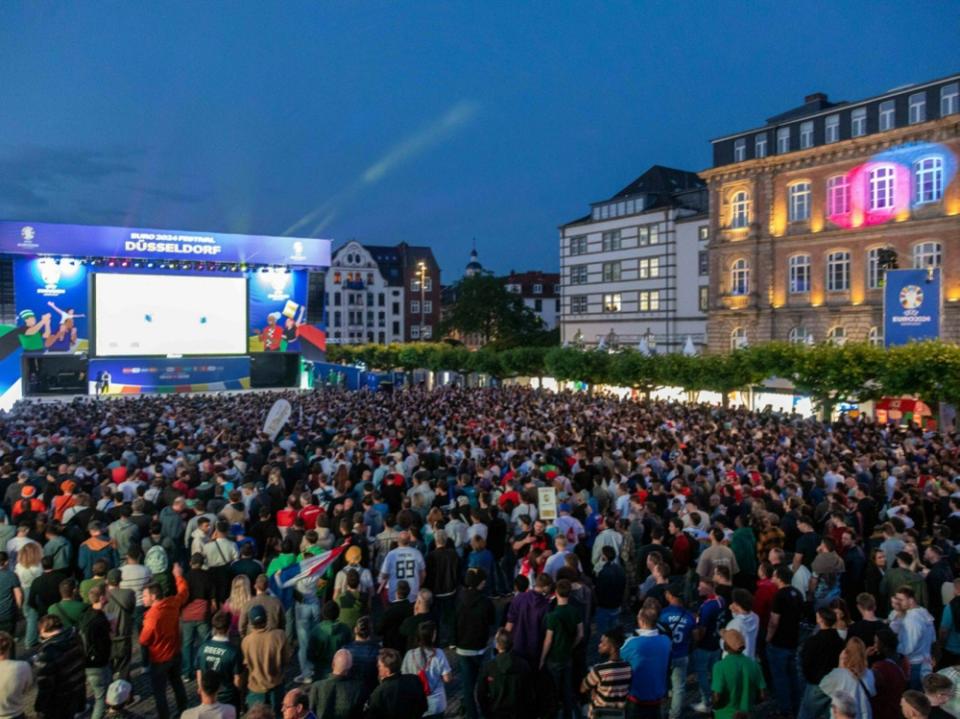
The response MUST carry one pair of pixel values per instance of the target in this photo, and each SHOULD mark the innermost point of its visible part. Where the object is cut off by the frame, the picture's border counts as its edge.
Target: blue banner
(41, 238)
(51, 303)
(277, 310)
(149, 375)
(911, 306)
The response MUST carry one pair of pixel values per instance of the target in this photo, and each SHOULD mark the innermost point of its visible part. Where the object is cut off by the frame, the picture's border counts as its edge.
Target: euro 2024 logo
(911, 297)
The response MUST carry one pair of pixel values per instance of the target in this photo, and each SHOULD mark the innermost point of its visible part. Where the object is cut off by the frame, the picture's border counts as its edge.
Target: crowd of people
(501, 552)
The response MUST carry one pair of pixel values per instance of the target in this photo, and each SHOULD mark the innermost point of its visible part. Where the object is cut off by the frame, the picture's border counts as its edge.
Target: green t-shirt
(87, 584)
(737, 680)
(223, 658)
(562, 621)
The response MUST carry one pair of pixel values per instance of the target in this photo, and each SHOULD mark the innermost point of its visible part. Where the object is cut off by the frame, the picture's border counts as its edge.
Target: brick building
(800, 207)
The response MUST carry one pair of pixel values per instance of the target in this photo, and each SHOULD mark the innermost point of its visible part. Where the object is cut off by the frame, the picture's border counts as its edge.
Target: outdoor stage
(139, 311)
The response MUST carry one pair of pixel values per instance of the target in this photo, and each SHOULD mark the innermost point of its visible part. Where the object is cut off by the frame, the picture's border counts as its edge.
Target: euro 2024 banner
(51, 304)
(277, 310)
(911, 306)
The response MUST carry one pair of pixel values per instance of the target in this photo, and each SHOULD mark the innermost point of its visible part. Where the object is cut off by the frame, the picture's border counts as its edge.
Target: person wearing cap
(31, 332)
(266, 653)
(353, 555)
(737, 682)
(120, 698)
(62, 502)
(94, 549)
(28, 506)
(679, 624)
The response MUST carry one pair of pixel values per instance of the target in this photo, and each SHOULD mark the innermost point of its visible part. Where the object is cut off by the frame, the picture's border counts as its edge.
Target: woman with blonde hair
(28, 568)
(236, 604)
(853, 677)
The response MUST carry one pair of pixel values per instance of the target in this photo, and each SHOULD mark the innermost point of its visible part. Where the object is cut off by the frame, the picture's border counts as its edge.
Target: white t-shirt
(403, 563)
(434, 663)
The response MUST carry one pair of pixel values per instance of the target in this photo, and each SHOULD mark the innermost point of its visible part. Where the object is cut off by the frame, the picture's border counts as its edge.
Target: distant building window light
(806, 135)
(887, 116)
(783, 140)
(918, 107)
(858, 122)
(760, 146)
(831, 129)
(740, 150)
(950, 99)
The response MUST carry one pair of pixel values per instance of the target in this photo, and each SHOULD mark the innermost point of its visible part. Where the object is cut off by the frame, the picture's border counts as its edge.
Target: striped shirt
(609, 684)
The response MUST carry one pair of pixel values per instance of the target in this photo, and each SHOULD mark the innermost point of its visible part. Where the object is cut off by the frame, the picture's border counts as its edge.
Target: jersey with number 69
(403, 563)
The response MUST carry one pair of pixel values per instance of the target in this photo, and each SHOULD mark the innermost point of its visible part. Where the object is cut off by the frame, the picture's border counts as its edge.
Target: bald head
(342, 662)
(298, 701)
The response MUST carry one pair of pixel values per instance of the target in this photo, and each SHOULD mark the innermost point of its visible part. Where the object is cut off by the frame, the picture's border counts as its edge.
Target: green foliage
(829, 373)
(484, 307)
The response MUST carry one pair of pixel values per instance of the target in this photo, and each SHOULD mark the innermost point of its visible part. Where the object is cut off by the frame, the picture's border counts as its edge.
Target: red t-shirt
(309, 516)
(286, 517)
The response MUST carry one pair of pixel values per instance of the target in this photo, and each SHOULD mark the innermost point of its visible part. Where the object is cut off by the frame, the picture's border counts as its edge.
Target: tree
(484, 307)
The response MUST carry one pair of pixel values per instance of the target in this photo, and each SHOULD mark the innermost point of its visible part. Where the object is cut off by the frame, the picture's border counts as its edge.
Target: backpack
(95, 639)
(156, 560)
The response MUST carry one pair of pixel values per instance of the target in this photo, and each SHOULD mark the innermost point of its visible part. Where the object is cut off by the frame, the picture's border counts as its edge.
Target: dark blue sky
(427, 122)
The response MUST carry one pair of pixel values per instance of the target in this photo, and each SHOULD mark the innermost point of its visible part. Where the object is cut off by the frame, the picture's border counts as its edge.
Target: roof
(547, 280)
(819, 105)
(393, 259)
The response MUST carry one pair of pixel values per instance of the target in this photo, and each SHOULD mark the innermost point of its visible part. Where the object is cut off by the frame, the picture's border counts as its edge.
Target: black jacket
(45, 590)
(94, 630)
(474, 621)
(61, 681)
(389, 625)
(820, 654)
(504, 688)
(611, 584)
(337, 697)
(397, 697)
(443, 566)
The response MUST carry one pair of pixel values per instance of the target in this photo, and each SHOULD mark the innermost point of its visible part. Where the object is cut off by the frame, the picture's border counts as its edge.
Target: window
(838, 272)
(578, 274)
(336, 323)
(799, 274)
(740, 150)
(612, 302)
(760, 146)
(414, 332)
(648, 235)
(381, 320)
(337, 278)
(875, 337)
(738, 338)
(415, 285)
(783, 140)
(704, 299)
(929, 179)
(881, 187)
(428, 284)
(611, 240)
(799, 201)
(649, 267)
(396, 308)
(740, 209)
(337, 298)
(396, 331)
(578, 304)
(538, 305)
(806, 134)
(887, 120)
(740, 277)
(837, 335)
(799, 335)
(427, 306)
(703, 262)
(949, 99)
(649, 300)
(514, 289)
(703, 233)
(578, 245)
(838, 196)
(918, 107)
(858, 122)
(611, 271)
(538, 289)
(381, 300)
(874, 273)
(927, 254)
(415, 307)
(831, 129)
(427, 332)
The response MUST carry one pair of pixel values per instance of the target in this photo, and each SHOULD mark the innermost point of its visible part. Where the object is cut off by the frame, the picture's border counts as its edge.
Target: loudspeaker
(274, 369)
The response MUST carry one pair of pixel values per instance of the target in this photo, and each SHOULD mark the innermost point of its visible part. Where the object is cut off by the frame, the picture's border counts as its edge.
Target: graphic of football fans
(32, 334)
(291, 327)
(272, 335)
(65, 338)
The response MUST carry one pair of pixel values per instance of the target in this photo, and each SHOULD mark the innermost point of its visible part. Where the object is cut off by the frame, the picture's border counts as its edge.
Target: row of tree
(829, 373)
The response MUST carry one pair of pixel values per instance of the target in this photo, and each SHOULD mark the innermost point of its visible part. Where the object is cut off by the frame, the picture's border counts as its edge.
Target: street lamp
(422, 271)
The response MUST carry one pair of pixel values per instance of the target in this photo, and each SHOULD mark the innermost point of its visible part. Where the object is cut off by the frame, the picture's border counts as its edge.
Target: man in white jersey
(404, 562)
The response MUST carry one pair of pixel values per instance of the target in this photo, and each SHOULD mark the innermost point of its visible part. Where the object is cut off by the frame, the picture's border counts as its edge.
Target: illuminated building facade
(802, 209)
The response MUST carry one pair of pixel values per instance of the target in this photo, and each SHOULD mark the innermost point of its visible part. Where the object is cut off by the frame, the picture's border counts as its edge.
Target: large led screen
(169, 315)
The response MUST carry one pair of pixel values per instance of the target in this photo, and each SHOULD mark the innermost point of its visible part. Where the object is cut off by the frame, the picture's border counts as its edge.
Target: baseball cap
(733, 638)
(28, 490)
(353, 555)
(564, 507)
(25, 315)
(257, 614)
(119, 693)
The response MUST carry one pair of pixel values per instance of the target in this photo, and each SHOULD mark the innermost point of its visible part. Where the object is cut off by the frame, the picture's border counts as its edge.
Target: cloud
(410, 147)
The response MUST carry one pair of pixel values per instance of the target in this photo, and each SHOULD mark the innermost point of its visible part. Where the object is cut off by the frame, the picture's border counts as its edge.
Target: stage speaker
(274, 369)
(54, 374)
